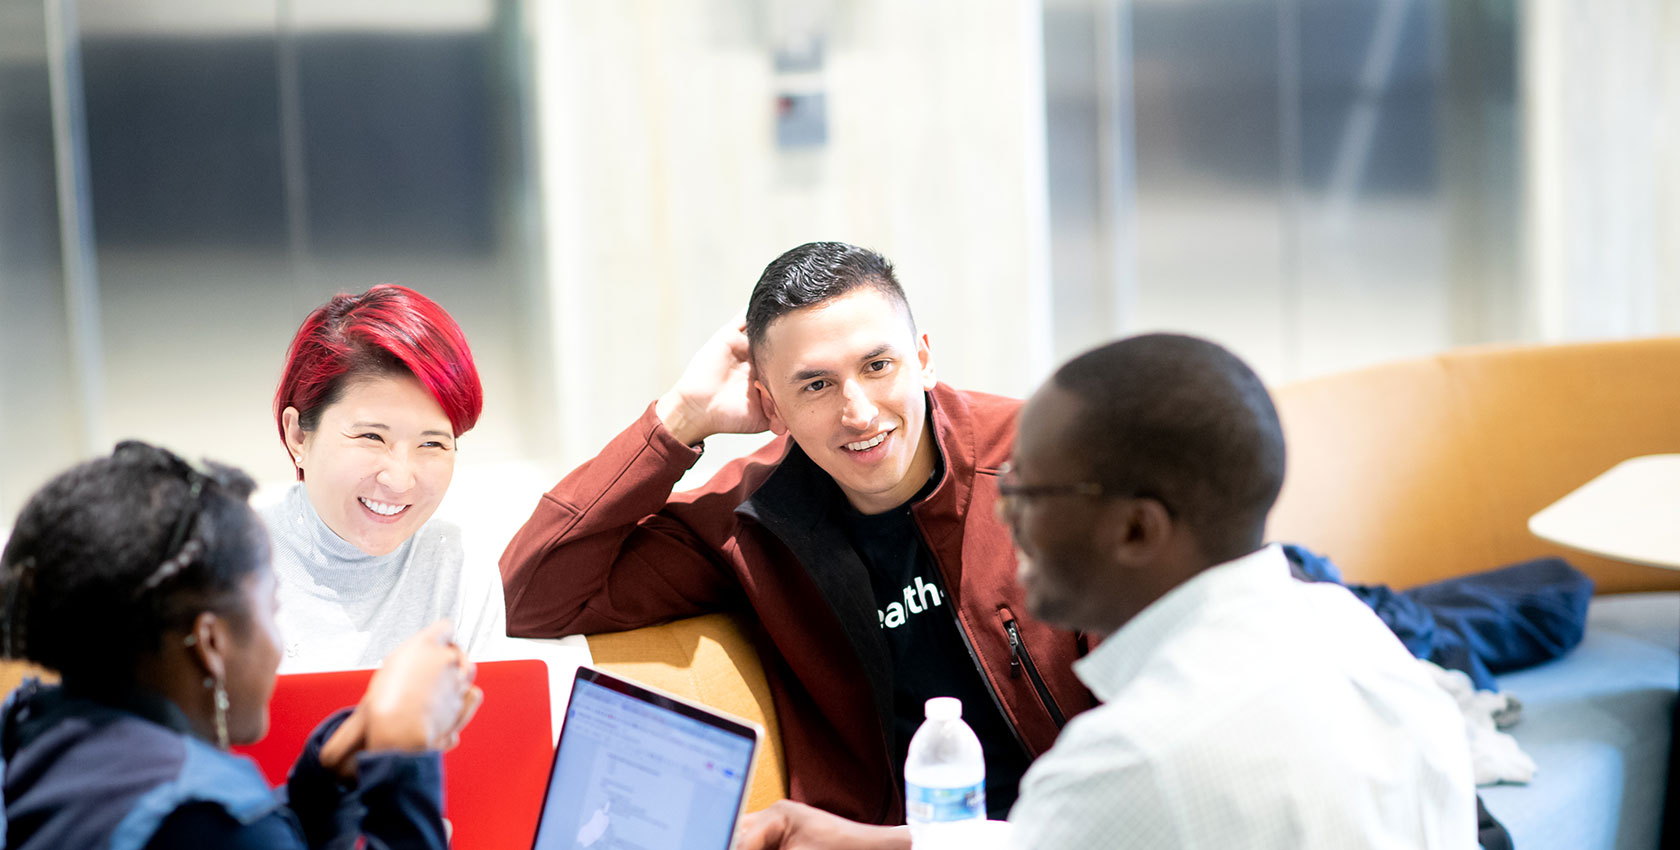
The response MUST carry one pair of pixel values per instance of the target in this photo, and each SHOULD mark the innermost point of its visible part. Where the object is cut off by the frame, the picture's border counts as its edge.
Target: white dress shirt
(1248, 709)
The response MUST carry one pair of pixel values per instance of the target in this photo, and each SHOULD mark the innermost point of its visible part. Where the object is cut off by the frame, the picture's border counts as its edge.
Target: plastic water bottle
(944, 777)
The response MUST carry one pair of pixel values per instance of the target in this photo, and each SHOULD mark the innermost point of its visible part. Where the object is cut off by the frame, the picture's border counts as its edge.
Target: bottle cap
(942, 708)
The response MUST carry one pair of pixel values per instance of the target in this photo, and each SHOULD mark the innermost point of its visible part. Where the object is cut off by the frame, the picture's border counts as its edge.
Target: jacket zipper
(997, 701)
(1019, 660)
(974, 658)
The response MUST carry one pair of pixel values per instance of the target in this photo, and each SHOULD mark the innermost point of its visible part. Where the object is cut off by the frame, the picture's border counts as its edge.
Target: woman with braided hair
(145, 581)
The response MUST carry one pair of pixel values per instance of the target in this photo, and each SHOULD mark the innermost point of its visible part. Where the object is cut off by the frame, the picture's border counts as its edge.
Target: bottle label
(938, 805)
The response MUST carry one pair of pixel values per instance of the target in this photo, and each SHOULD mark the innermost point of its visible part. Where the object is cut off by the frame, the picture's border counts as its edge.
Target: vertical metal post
(1117, 155)
(75, 219)
(293, 167)
(1292, 195)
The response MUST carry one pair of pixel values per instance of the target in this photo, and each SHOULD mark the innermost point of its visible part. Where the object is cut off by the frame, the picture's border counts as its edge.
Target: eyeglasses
(1012, 494)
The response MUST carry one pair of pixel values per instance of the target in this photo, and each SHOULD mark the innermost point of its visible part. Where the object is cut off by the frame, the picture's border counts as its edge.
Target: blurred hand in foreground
(420, 699)
(787, 825)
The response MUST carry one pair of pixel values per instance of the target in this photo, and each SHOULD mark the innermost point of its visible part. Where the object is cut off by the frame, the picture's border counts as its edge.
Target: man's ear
(777, 425)
(1137, 531)
(924, 356)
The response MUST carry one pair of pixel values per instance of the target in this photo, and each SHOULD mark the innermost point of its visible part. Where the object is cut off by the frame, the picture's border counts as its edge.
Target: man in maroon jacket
(877, 498)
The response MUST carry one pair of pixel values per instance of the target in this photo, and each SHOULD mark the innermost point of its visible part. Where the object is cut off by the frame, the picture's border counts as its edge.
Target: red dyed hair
(388, 329)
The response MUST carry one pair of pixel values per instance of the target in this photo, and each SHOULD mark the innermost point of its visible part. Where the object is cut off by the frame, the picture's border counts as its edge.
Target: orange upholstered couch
(1409, 472)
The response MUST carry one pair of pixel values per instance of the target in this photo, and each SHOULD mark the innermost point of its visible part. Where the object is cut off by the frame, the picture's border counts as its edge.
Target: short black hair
(112, 554)
(1187, 422)
(813, 273)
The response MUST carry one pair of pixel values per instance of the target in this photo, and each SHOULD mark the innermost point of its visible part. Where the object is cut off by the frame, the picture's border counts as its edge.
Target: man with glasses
(1241, 708)
(863, 540)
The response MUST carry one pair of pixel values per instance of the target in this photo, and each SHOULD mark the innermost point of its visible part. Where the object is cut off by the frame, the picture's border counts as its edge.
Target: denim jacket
(111, 772)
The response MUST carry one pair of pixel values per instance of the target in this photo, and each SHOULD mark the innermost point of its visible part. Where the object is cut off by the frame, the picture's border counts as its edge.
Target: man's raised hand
(715, 394)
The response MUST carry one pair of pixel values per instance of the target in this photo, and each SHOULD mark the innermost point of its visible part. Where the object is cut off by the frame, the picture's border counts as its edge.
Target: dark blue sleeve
(1484, 623)
(396, 802)
(1307, 565)
(1509, 618)
(199, 825)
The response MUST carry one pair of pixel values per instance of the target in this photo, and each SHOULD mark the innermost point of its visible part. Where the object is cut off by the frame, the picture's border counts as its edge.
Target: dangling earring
(220, 698)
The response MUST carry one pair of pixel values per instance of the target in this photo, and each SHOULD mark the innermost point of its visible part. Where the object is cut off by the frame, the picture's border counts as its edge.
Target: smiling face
(1090, 554)
(1087, 560)
(379, 461)
(1064, 558)
(846, 380)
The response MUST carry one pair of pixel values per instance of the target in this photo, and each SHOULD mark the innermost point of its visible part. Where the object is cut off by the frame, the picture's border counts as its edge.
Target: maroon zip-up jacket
(612, 548)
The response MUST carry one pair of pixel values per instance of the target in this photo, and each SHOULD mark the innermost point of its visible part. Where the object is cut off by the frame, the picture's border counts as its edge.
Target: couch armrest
(12, 674)
(1414, 471)
(710, 660)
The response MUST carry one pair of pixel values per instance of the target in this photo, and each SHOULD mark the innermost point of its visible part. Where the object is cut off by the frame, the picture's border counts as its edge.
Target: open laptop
(639, 768)
(492, 782)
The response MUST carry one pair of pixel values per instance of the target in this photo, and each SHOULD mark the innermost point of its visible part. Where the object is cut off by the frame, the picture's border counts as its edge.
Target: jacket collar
(940, 515)
(36, 707)
(799, 503)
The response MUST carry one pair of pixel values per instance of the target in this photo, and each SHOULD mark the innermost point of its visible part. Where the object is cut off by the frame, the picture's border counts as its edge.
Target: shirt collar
(1114, 662)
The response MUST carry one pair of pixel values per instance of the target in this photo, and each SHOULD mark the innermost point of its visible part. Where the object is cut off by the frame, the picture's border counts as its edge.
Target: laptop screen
(638, 769)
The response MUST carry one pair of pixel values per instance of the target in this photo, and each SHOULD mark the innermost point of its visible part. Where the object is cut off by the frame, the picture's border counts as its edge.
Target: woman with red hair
(377, 390)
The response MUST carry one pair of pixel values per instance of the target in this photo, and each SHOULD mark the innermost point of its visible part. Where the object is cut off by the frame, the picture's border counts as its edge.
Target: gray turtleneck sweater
(341, 608)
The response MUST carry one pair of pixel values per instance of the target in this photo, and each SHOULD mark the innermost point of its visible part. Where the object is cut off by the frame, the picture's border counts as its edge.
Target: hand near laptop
(420, 699)
(787, 825)
(715, 394)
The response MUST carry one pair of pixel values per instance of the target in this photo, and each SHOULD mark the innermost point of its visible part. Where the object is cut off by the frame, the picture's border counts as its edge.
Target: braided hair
(114, 553)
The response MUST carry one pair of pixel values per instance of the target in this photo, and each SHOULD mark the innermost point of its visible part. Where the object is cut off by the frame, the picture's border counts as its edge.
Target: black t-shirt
(929, 656)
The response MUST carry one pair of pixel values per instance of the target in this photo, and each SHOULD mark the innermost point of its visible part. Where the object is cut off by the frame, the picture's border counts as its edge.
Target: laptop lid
(492, 781)
(640, 768)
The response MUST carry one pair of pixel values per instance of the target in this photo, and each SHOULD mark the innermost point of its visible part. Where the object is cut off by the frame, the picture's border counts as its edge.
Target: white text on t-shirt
(917, 598)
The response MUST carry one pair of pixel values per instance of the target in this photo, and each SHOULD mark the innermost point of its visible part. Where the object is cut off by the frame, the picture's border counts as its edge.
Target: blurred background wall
(592, 188)
(686, 145)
